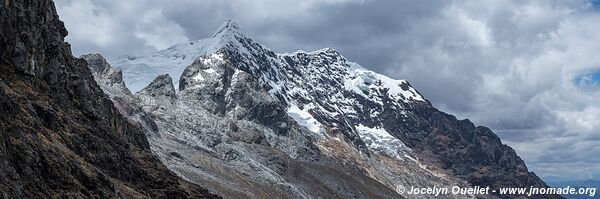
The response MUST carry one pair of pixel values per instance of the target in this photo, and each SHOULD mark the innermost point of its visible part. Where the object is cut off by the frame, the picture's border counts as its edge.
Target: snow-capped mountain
(140, 70)
(312, 123)
(322, 81)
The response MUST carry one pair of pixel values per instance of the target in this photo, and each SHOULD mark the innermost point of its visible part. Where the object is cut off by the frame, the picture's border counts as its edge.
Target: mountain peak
(228, 27)
(161, 85)
(110, 78)
(325, 50)
(159, 93)
(98, 62)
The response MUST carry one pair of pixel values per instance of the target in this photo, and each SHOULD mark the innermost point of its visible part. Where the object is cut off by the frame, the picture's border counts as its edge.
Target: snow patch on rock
(361, 81)
(378, 139)
(304, 118)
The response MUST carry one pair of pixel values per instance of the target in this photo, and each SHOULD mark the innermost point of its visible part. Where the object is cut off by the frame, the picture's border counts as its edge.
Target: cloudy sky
(527, 69)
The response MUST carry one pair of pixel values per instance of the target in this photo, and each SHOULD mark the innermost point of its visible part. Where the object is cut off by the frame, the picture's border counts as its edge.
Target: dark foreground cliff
(60, 136)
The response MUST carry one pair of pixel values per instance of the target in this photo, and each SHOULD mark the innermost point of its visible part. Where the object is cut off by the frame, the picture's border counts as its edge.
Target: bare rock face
(61, 135)
(160, 93)
(108, 78)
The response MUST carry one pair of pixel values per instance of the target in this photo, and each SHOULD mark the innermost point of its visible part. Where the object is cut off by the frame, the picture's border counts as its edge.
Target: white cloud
(95, 26)
(117, 27)
(157, 31)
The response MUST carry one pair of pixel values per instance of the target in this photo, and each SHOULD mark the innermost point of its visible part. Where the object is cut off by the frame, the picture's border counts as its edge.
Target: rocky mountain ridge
(238, 101)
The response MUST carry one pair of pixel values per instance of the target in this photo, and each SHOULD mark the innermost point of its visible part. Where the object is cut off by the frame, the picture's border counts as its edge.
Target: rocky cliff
(60, 135)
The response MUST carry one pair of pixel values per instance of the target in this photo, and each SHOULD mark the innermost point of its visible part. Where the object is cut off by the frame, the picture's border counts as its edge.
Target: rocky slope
(244, 116)
(61, 137)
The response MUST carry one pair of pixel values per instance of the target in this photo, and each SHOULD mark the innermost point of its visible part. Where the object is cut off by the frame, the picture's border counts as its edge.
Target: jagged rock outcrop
(61, 137)
(110, 80)
(160, 93)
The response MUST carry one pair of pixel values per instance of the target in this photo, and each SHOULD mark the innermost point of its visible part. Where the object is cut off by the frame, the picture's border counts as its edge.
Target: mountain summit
(139, 70)
(313, 123)
(228, 27)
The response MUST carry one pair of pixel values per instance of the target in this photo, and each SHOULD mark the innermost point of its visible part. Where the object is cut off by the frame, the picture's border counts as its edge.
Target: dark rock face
(61, 137)
(472, 153)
